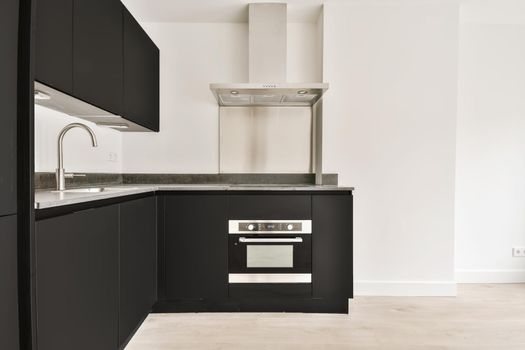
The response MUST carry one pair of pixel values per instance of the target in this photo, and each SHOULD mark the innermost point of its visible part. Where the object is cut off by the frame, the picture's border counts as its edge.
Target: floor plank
(481, 317)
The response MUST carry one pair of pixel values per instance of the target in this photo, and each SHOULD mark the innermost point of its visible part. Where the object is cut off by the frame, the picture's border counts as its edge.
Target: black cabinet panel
(77, 280)
(332, 274)
(8, 284)
(196, 246)
(138, 263)
(270, 207)
(141, 75)
(161, 249)
(8, 103)
(54, 44)
(97, 53)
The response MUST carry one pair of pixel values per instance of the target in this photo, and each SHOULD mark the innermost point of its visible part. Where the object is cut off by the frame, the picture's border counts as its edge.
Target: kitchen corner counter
(49, 198)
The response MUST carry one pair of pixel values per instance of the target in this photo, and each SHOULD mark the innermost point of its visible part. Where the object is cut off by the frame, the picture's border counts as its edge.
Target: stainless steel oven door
(269, 259)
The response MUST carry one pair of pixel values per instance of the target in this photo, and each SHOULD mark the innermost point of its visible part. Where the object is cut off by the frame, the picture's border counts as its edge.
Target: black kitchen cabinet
(54, 44)
(77, 280)
(97, 53)
(141, 75)
(332, 272)
(138, 264)
(196, 246)
(270, 207)
(8, 101)
(8, 284)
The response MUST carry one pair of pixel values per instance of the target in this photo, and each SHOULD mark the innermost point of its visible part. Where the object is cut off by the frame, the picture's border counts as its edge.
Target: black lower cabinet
(138, 264)
(196, 246)
(193, 248)
(264, 206)
(8, 284)
(77, 280)
(332, 271)
(99, 271)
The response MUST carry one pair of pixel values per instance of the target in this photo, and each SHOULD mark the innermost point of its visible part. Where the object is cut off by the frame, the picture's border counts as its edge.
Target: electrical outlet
(518, 252)
(112, 157)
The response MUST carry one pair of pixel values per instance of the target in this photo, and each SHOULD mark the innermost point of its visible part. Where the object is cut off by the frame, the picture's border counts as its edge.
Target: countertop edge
(128, 190)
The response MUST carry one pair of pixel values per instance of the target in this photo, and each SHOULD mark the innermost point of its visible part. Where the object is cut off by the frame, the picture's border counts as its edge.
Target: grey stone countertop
(49, 199)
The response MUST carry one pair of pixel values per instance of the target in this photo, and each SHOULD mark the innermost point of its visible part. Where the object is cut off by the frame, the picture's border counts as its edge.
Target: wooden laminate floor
(483, 317)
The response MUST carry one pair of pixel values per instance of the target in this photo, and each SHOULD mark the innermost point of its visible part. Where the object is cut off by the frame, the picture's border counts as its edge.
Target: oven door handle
(270, 240)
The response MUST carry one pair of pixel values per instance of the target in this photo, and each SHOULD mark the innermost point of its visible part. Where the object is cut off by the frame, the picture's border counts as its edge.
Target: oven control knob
(289, 227)
(251, 227)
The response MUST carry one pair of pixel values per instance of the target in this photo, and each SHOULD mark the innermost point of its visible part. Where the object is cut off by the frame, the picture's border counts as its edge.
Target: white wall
(389, 130)
(303, 59)
(491, 142)
(79, 155)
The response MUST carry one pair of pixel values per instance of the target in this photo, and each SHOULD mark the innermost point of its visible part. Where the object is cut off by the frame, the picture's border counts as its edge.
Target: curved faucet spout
(60, 173)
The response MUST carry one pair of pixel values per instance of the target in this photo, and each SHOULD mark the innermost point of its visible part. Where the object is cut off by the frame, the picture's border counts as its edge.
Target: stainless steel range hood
(283, 94)
(267, 66)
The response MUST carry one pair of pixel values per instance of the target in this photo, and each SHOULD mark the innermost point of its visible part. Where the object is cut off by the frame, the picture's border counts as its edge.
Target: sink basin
(97, 189)
(84, 190)
(269, 185)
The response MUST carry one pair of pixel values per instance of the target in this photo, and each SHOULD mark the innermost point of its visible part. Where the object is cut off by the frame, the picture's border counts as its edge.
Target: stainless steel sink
(97, 189)
(269, 185)
(84, 190)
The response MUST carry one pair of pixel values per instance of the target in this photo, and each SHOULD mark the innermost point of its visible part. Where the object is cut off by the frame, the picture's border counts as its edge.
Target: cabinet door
(8, 102)
(141, 75)
(270, 207)
(77, 280)
(54, 44)
(138, 263)
(97, 53)
(332, 275)
(8, 284)
(196, 246)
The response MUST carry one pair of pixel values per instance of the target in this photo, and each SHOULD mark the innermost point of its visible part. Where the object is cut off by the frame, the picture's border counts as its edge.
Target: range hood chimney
(267, 43)
(267, 66)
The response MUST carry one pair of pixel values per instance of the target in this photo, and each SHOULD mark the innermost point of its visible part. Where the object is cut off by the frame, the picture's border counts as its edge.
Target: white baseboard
(405, 288)
(490, 276)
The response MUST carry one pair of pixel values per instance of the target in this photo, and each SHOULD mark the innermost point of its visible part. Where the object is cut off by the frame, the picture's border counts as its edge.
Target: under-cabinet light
(39, 95)
(114, 125)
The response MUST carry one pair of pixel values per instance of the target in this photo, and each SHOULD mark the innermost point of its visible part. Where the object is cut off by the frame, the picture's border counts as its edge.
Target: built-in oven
(270, 252)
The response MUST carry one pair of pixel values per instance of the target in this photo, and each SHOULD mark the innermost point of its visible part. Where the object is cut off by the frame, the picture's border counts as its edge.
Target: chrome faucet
(60, 172)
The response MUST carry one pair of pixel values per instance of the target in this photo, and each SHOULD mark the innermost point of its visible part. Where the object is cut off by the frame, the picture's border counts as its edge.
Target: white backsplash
(79, 155)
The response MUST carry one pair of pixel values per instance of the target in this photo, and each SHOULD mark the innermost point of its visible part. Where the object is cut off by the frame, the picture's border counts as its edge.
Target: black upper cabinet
(138, 263)
(8, 284)
(332, 246)
(97, 53)
(8, 103)
(141, 75)
(196, 246)
(54, 44)
(77, 280)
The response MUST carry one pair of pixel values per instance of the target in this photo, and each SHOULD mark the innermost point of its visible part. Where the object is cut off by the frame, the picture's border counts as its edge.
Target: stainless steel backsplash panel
(265, 140)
